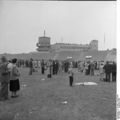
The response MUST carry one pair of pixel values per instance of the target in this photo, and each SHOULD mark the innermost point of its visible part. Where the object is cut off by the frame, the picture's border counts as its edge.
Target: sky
(22, 22)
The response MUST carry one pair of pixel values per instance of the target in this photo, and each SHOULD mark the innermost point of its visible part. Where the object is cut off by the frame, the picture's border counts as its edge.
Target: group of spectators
(9, 73)
(9, 78)
(106, 70)
(53, 67)
(110, 71)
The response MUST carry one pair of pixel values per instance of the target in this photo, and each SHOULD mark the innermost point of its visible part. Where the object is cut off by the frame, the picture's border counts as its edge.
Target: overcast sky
(22, 22)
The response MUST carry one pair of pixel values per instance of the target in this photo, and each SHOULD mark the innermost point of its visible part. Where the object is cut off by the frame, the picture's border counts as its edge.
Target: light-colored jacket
(70, 72)
(14, 73)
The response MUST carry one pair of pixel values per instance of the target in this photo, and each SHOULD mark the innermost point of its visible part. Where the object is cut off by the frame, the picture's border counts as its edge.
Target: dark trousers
(56, 71)
(86, 72)
(49, 75)
(53, 70)
(66, 69)
(114, 76)
(42, 70)
(92, 72)
(107, 79)
(31, 70)
(71, 80)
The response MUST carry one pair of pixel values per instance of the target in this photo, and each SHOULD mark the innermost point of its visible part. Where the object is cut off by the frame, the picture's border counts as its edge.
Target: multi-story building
(93, 45)
(44, 45)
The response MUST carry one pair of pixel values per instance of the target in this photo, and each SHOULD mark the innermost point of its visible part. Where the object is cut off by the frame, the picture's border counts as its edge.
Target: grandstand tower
(93, 45)
(43, 43)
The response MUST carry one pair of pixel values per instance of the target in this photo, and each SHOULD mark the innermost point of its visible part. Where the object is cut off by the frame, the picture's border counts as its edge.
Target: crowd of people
(52, 67)
(106, 70)
(9, 72)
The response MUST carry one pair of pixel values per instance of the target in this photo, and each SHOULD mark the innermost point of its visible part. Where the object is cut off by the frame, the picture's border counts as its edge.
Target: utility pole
(61, 39)
(44, 33)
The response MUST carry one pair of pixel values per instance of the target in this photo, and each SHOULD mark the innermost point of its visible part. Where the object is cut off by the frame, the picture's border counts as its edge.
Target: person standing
(86, 68)
(53, 67)
(92, 68)
(113, 70)
(89, 68)
(66, 66)
(42, 66)
(14, 79)
(4, 79)
(49, 67)
(31, 66)
(107, 69)
(101, 71)
(70, 71)
(57, 67)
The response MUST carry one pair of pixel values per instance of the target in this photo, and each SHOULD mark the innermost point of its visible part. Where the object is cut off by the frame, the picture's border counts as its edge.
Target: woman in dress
(14, 79)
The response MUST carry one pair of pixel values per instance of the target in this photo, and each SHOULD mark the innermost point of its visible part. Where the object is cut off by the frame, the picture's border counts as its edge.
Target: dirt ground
(54, 99)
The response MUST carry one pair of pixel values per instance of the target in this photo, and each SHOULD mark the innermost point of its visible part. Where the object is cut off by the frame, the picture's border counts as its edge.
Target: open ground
(41, 98)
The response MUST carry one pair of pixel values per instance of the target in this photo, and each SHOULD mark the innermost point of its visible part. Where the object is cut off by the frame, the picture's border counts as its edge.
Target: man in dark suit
(113, 71)
(42, 66)
(107, 69)
(31, 66)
